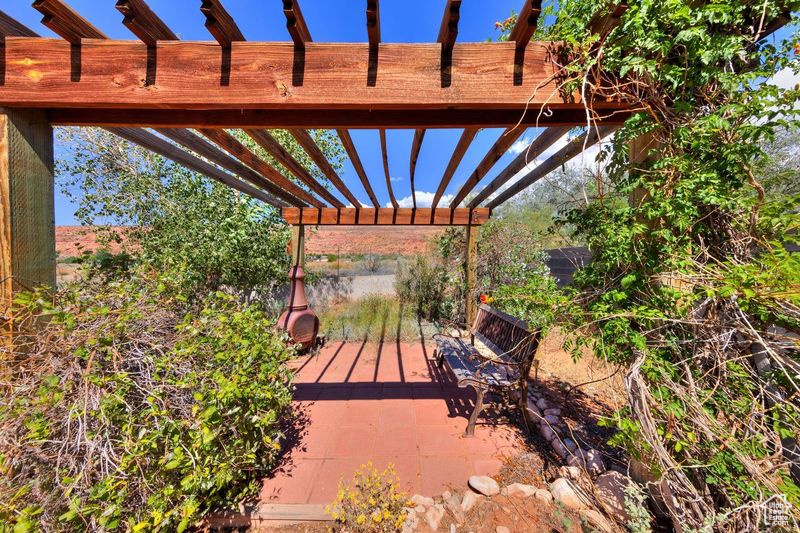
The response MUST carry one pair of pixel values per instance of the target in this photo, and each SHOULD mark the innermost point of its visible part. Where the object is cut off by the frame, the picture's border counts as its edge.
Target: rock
(570, 472)
(553, 412)
(446, 495)
(564, 491)
(577, 461)
(610, 491)
(596, 520)
(469, 500)
(542, 404)
(543, 495)
(552, 419)
(559, 448)
(502, 529)
(534, 415)
(547, 432)
(594, 462)
(570, 444)
(416, 499)
(484, 485)
(434, 515)
(453, 504)
(515, 395)
(411, 522)
(519, 489)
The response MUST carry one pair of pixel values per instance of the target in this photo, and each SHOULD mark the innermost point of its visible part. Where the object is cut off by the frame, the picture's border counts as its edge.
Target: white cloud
(424, 199)
(396, 178)
(520, 145)
(785, 79)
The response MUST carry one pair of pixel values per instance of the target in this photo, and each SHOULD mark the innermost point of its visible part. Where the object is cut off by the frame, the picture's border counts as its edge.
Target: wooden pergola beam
(455, 159)
(67, 23)
(12, 27)
(373, 23)
(527, 21)
(573, 148)
(195, 143)
(315, 153)
(385, 157)
(144, 23)
(220, 23)
(448, 30)
(296, 23)
(498, 150)
(416, 145)
(385, 216)
(541, 143)
(266, 141)
(170, 151)
(288, 190)
(352, 153)
(261, 77)
(606, 19)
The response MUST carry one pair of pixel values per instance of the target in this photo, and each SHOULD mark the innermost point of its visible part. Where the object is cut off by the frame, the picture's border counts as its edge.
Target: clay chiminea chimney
(298, 320)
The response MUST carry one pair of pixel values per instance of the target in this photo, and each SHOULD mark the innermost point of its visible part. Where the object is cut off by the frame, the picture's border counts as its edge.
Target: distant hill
(73, 241)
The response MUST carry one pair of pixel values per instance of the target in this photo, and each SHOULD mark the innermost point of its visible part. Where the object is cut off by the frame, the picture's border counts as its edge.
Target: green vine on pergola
(692, 288)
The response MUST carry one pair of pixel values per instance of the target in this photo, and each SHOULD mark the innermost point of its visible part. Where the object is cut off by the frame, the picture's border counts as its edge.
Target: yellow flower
(361, 519)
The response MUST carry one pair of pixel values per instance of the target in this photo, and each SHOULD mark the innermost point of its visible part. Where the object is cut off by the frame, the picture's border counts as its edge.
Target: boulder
(570, 472)
(502, 529)
(542, 404)
(596, 520)
(470, 500)
(594, 462)
(553, 412)
(564, 491)
(519, 489)
(417, 499)
(559, 448)
(547, 432)
(577, 461)
(434, 515)
(570, 444)
(543, 495)
(610, 491)
(453, 504)
(552, 419)
(484, 485)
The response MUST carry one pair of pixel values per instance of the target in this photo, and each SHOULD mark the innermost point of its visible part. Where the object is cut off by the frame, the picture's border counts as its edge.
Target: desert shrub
(434, 291)
(127, 408)
(372, 262)
(371, 503)
(332, 258)
(374, 318)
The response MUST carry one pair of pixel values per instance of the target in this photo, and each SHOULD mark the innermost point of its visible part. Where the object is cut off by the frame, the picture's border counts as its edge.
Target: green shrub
(430, 288)
(373, 318)
(332, 258)
(131, 409)
(372, 503)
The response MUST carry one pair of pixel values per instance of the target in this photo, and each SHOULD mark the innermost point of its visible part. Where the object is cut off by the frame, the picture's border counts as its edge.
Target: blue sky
(338, 21)
(328, 21)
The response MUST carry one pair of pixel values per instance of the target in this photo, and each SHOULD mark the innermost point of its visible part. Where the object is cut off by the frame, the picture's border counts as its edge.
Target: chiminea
(298, 320)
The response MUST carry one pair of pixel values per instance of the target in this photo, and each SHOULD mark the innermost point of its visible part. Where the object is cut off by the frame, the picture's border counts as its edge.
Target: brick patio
(385, 403)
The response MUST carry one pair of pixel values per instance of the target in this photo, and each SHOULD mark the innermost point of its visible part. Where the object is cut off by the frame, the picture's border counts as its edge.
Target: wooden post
(298, 246)
(27, 212)
(470, 273)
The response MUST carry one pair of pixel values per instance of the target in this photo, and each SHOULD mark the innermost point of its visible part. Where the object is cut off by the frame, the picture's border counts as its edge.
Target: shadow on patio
(384, 403)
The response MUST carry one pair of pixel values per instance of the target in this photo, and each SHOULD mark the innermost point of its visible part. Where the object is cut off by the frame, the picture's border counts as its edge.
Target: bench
(514, 349)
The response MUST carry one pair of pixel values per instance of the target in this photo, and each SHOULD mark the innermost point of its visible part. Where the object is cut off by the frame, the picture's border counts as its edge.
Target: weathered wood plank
(369, 216)
(385, 157)
(144, 23)
(261, 74)
(27, 213)
(352, 153)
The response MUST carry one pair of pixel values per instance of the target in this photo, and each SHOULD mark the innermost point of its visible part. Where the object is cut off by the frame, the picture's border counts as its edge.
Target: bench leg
(523, 403)
(439, 356)
(479, 391)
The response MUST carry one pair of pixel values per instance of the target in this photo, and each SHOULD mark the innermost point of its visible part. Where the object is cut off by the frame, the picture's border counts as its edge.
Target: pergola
(177, 98)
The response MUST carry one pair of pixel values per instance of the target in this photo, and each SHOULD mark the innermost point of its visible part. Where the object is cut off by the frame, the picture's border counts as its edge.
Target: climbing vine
(694, 287)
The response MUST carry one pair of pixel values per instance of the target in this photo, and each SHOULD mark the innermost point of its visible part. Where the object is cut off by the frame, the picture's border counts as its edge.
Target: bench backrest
(506, 335)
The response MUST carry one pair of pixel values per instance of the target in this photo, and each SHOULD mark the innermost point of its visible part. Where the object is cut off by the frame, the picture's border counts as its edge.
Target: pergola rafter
(455, 159)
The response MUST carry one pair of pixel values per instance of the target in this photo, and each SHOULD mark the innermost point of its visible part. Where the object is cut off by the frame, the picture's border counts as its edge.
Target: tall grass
(374, 318)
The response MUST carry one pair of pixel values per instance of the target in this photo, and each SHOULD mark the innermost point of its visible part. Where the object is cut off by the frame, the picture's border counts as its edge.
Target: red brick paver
(385, 404)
